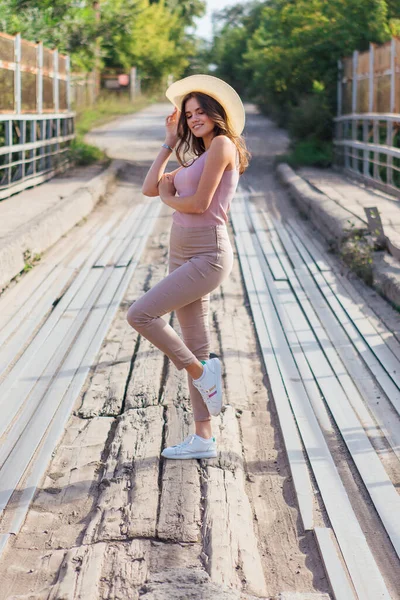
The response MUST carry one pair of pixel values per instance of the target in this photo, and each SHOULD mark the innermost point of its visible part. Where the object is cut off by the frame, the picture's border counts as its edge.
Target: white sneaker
(210, 385)
(192, 447)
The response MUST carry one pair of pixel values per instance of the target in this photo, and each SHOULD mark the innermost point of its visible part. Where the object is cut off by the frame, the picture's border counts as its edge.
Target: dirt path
(113, 521)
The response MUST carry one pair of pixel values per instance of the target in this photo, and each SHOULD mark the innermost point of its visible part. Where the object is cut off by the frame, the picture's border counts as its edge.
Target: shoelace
(189, 440)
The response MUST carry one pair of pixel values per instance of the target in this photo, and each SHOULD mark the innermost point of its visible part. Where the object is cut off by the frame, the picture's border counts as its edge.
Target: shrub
(312, 118)
(81, 153)
(309, 154)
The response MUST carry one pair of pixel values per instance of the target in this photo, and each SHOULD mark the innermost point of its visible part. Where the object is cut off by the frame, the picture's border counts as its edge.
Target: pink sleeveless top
(186, 182)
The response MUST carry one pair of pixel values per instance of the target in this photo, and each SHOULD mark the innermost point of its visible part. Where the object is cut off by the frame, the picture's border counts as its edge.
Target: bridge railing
(36, 120)
(367, 127)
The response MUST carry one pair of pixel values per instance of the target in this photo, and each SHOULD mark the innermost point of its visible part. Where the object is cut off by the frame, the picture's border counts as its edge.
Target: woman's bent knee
(135, 318)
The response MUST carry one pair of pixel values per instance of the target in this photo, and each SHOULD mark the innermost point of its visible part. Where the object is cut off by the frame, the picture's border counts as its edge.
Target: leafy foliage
(122, 33)
(283, 54)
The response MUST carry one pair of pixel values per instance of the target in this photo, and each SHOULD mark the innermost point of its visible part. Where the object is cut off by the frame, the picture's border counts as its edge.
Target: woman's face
(198, 122)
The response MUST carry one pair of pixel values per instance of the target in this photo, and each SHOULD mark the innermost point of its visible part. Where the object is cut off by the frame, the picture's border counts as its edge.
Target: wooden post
(56, 97)
(39, 101)
(371, 78)
(17, 52)
(392, 75)
(68, 82)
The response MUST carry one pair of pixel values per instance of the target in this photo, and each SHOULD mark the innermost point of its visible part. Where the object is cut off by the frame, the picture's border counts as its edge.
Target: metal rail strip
(298, 235)
(340, 584)
(70, 253)
(379, 486)
(24, 326)
(375, 366)
(78, 363)
(335, 342)
(126, 254)
(364, 572)
(31, 352)
(12, 454)
(367, 331)
(371, 336)
(12, 300)
(118, 235)
(290, 434)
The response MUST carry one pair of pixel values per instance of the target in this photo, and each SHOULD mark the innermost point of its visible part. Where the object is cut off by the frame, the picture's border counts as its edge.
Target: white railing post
(17, 46)
(340, 89)
(389, 124)
(132, 84)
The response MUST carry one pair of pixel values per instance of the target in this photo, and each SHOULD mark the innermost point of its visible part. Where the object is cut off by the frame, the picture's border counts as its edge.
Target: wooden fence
(367, 128)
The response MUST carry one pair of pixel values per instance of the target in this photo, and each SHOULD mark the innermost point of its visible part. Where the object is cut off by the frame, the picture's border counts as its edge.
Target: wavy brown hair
(189, 143)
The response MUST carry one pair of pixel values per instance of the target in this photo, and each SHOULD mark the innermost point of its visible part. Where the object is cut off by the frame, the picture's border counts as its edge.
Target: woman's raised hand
(166, 185)
(171, 126)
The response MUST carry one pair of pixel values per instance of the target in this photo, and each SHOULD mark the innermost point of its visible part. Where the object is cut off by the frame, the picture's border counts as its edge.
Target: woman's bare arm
(220, 155)
(156, 171)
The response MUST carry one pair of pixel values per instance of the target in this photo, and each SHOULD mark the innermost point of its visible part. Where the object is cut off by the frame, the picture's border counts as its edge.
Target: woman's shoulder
(221, 145)
(223, 141)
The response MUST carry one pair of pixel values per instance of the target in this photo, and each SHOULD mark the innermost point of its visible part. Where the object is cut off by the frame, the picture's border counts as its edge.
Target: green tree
(283, 54)
(143, 33)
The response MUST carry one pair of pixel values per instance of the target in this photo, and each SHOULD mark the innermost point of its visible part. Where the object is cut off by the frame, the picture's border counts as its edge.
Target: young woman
(207, 122)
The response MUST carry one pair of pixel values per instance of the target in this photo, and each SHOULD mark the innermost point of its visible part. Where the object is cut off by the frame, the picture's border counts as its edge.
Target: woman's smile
(198, 121)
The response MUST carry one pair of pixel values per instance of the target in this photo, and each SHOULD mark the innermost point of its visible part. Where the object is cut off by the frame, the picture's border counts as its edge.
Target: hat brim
(217, 89)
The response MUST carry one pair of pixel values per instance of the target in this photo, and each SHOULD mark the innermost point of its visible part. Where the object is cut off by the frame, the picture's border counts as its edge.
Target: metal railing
(33, 148)
(36, 121)
(367, 128)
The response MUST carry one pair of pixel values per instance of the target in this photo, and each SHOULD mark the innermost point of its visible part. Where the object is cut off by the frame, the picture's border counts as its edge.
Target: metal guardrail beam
(368, 143)
(34, 148)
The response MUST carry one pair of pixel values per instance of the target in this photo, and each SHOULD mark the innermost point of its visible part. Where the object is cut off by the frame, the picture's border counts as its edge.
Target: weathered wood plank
(144, 385)
(127, 506)
(58, 514)
(99, 571)
(229, 539)
(179, 517)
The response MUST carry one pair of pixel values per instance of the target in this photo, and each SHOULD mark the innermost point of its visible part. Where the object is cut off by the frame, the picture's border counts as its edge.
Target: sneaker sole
(216, 411)
(199, 455)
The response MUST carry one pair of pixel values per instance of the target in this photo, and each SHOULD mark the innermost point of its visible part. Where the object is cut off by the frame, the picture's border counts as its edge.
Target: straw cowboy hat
(217, 89)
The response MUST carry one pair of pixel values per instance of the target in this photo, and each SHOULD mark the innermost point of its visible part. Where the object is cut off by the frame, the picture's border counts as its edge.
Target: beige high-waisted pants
(200, 258)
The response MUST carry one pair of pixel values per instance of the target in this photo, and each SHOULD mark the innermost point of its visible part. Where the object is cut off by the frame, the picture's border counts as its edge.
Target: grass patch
(82, 154)
(30, 260)
(309, 154)
(108, 107)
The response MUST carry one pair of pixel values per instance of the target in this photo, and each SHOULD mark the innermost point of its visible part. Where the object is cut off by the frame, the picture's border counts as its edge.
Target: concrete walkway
(355, 196)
